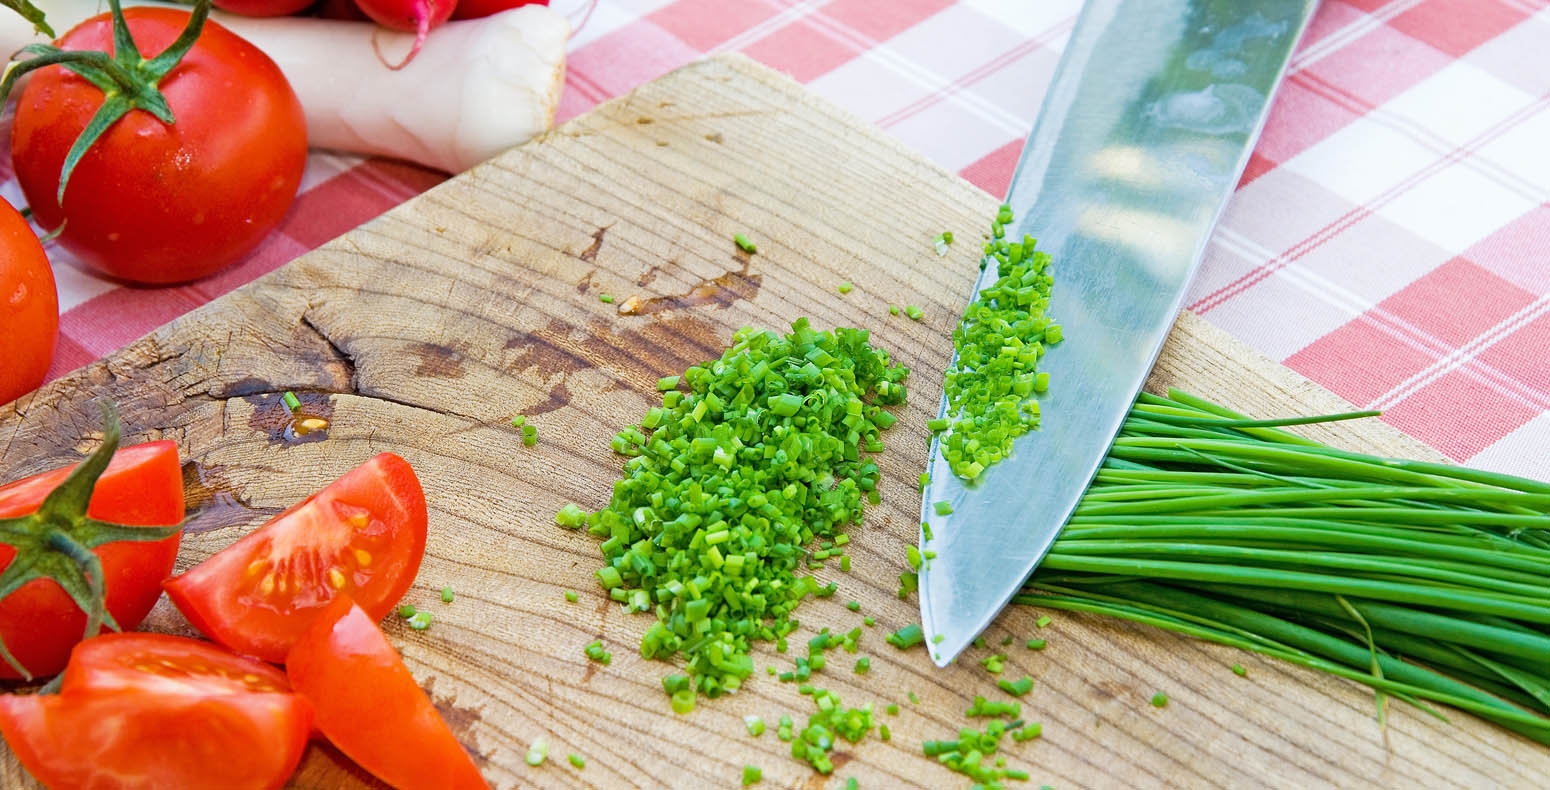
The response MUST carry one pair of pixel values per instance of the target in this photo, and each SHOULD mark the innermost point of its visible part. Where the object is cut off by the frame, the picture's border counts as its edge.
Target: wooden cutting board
(426, 330)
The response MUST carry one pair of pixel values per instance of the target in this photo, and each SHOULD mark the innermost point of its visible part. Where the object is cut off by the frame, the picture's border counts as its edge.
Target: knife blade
(1142, 137)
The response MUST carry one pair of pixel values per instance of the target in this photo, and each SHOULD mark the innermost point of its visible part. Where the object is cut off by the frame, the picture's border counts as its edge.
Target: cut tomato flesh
(363, 535)
(167, 664)
(138, 740)
(368, 704)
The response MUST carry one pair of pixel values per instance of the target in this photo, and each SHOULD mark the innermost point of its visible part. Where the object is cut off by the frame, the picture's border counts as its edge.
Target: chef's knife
(1142, 137)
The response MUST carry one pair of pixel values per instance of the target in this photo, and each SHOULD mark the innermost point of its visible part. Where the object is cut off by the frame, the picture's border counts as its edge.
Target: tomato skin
(258, 595)
(29, 307)
(345, 667)
(262, 7)
(152, 203)
(142, 486)
(136, 740)
(166, 664)
(473, 9)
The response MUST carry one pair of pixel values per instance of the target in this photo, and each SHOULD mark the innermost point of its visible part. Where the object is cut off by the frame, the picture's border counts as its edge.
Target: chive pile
(1423, 581)
(749, 459)
(994, 376)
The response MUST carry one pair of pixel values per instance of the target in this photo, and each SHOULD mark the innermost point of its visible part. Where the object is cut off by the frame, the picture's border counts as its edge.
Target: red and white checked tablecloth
(1390, 240)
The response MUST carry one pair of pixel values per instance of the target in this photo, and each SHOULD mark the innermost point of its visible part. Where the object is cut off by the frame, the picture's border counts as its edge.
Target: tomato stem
(128, 80)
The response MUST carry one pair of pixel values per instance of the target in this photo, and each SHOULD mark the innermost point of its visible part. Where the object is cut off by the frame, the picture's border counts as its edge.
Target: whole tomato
(151, 202)
(29, 307)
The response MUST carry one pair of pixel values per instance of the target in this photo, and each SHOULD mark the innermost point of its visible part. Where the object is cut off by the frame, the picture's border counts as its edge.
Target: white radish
(478, 87)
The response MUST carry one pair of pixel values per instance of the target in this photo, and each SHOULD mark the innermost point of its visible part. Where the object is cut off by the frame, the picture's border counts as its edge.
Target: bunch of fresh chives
(1421, 580)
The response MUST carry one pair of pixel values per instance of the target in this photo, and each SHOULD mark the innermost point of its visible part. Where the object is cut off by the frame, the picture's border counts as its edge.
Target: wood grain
(424, 331)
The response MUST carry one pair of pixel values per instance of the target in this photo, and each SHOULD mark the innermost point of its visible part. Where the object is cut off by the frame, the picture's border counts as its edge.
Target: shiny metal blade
(1143, 135)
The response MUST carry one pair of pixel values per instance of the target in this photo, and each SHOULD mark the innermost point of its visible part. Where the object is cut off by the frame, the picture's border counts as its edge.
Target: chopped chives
(1159, 699)
(854, 606)
(913, 312)
(906, 637)
(938, 638)
(884, 733)
(844, 288)
(605, 298)
(1036, 644)
(683, 701)
(893, 309)
(913, 699)
(406, 611)
(446, 595)
(912, 557)
(862, 665)
(869, 621)
(850, 783)
(744, 243)
(292, 403)
(754, 724)
(1237, 669)
(752, 774)
(570, 595)
(1016, 688)
(1042, 621)
(420, 621)
(576, 760)
(537, 752)
(571, 516)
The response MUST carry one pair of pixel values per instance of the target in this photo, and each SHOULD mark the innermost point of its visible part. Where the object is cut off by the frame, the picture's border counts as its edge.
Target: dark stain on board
(819, 781)
(646, 277)
(635, 357)
(590, 253)
(309, 423)
(586, 281)
(718, 292)
(213, 501)
(460, 719)
(438, 361)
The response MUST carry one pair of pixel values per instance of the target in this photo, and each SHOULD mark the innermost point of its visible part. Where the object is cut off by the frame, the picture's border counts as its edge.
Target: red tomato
(29, 307)
(153, 203)
(364, 535)
(142, 486)
(166, 664)
(138, 740)
(473, 9)
(262, 7)
(369, 705)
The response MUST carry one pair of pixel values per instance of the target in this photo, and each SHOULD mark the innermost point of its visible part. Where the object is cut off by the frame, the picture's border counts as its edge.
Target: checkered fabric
(1390, 240)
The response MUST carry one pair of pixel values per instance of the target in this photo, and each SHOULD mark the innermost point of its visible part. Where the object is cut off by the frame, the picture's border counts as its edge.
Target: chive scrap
(970, 753)
(863, 664)
(893, 309)
(993, 663)
(854, 606)
(908, 582)
(1016, 688)
(913, 699)
(529, 435)
(605, 298)
(571, 596)
(744, 244)
(754, 724)
(537, 752)
(913, 312)
(576, 760)
(906, 637)
(1237, 669)
(595, 651)
(912, 557)
(851, 784)
(938, 638)
(1028, 732)
(892, 709)
(832, 719)
(884, 733)
(869, 621)
(1043, 621)
(446, 595)
(943, 508)
(292, 403)
(420, 621)
(406, 611)
(1159, 700)
(683, 701)
(1035, 644)
(752, 774)
(844, 288)
(571, 516)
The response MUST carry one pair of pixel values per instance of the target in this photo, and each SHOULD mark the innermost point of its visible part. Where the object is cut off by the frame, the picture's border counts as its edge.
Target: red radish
(341, 9)
(413, 16)
(262, 7)
(473, 9)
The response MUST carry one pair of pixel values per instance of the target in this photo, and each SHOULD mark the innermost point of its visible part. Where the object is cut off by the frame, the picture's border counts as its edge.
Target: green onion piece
(844, 288)
(605, 298)
(537, 752)
(850, 783)
(884, 733)
(752, 774)
(571, 596)
(516, 422)
(420, 621)
(1237, 669)
(571, 516)
(576, 760)
(914, 699)
(291, 401)
(869, 621)
(913, 312)
(446, 595)
(1016, 688)
(942, 508)
(938, 638)
(862, 665)
(744, 244)
(754, 724)
(1042, 621)
(854, 606)
(906, 637)
(893, 309)
(1159, 699)
(406, 611)
(1036, 644)
(912, 556)
(683, 701)
(667, 383)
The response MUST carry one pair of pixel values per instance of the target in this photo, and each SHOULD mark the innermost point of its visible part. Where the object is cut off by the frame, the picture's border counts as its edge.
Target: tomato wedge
(363, 535)
(166, 664)
(139, 740)
(141, 486)
(369, 705)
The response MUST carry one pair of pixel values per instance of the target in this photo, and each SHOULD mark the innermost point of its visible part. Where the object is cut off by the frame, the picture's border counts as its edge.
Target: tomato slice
(167, 664)
(369, 705)
(363, 535)
(139, 740)
(142, 486)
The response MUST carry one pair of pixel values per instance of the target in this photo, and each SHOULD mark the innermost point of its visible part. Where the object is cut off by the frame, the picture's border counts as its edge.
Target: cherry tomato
(154, 203)
(369, 705)
(473, 9)
(166, 664)
(363, 535)
(29, 307)
(262, 7)
(128, 739)
(142, 486)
